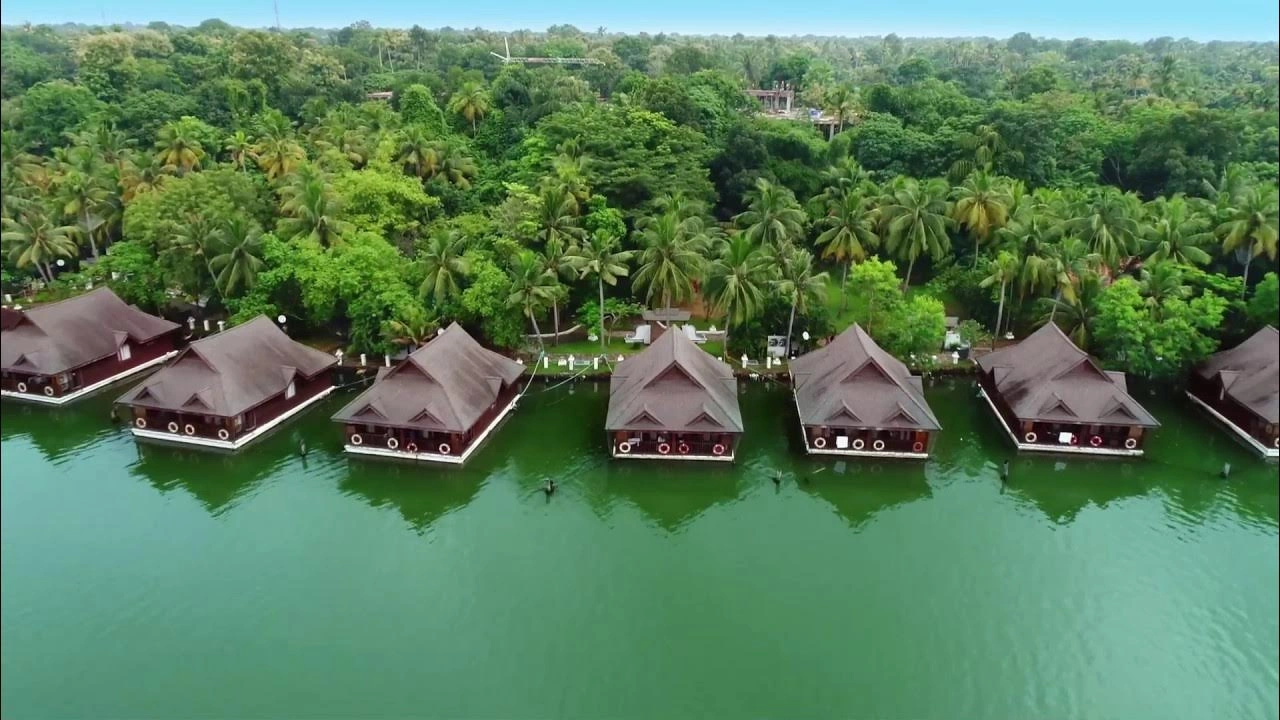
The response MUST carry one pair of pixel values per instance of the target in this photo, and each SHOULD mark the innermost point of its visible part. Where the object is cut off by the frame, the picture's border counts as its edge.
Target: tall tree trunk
(999, 316)
(84, 222)
(1244, 292)
(1057, 298)
(844, 296)
(555, 322)
(906, 281)
(790, 324)
(976, 241)
(46, 272)
(473, 126)
(600, 281)
(542, 349)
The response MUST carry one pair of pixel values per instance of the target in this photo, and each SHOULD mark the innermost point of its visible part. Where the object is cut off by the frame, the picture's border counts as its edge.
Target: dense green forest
(1126, 191)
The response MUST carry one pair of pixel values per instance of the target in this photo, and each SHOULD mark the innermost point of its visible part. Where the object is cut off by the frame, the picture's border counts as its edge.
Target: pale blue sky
(1099, 19)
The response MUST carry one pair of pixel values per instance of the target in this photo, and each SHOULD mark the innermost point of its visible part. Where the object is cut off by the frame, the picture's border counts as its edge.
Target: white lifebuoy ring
(444, 448)
(411, 447)
(1130, 443)
(917, 447)
(717, 449)
(189, 429)
(173, 427)
(683, 448)
(624, 447)
(22, 387)
(392, 443)
(1030, 437)
(48, 390)
(223, 434)
(877, 445)
(1096, 441)
(140, 423)
(819, 442)
(1276, 442)
(356, 439)
(664, 448)
(859, 443)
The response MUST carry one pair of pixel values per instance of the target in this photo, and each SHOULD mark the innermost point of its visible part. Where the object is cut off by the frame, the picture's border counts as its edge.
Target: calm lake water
(151, 582)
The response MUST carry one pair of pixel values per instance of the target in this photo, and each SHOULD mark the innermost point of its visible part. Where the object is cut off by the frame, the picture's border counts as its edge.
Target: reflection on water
(859, 491)
(420, 500)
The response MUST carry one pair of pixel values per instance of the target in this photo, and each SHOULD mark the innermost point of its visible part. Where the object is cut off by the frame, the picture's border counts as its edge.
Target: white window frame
(290, 391)
(126, 353)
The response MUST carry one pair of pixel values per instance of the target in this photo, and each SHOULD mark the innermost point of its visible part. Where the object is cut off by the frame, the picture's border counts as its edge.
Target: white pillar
(363, 360)
(191, 323)
(206, 324)
(595, 363)
(744, 361)
(546, 362)
(386, 359)
(571, 362)
(222, 325)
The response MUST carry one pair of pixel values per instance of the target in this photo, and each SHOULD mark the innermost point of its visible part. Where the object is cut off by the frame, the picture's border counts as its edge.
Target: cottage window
(125, 352)
(290, 391)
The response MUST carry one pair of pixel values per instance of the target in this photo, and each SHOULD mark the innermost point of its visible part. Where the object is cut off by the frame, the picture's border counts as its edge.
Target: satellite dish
(281, 319)
(805, 334)
(62, 263)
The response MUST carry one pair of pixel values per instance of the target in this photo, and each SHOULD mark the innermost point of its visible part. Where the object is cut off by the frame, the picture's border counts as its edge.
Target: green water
(151, 582)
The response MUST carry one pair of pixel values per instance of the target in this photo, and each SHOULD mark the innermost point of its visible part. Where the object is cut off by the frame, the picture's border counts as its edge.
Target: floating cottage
(60, 352)
(854, 398)
(673, 401)
(438, 405)
(229, 389)
(1240, 387)
(1050, 396)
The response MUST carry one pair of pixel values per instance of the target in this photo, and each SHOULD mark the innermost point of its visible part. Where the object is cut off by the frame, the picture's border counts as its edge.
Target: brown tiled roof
(1047, 378)
(445, 385)
(54, 338)
(673, 385)
(852, 382)
(228, 373)
(1250, 372)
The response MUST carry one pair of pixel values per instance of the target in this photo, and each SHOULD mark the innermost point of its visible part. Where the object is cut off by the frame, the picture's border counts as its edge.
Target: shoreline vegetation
(372, 185)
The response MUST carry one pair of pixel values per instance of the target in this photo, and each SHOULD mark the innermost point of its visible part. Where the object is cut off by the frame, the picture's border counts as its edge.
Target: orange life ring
(917, 447)
(1075, 439)
(819, 442)
(664, 448)
(717, 449)
(444, 448)
(1096, 441)
(683, 448)
(411, 447)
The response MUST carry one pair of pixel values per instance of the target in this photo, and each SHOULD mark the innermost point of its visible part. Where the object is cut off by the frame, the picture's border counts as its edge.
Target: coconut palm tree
(557, 215)
(1003, 269)
(413, 329)
(799, 284)
(472, 102)
(417, 153)
(600, 256)
(238, 264)
(556, 257)
(278, 153)
(312, 210)
(1078, 310)
(443, 265)
(198, 236)
(737, 281)
(32, 239)
(1252, 227)
(981, 207)
(1107, 224)
(176, 148)
(1162, 281)
(849, 230)
(914, 222)
(670, 262)
(772, 217)
(1178, 232)
(532, 288)
(838, 180)
(842, 103)
(83, 196)
(239, 147)
(456, 167)
(141, 180)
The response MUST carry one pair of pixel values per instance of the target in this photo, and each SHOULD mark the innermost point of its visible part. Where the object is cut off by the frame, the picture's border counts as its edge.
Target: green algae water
(146, 582)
